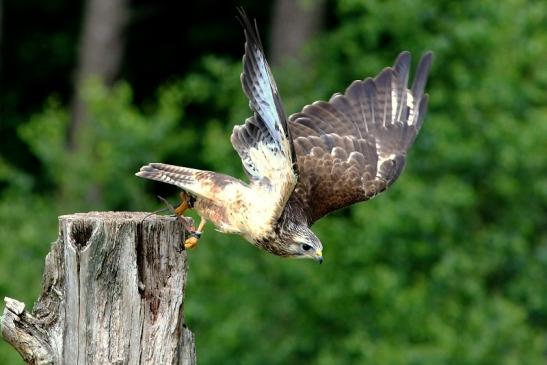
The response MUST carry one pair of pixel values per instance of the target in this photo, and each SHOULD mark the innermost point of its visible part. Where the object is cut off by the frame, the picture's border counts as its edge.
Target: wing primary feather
(422, 111)
(402, 65)
(355, 92)
(418, 86)
(259, 86)
(370, 91)
(421, 75)
(383, 95)
(402, 69)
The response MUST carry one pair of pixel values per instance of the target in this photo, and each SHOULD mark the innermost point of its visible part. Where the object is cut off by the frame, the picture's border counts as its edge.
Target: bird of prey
(328, 156)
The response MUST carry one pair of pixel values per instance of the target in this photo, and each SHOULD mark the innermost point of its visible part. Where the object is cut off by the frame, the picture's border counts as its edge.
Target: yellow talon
(193, 240)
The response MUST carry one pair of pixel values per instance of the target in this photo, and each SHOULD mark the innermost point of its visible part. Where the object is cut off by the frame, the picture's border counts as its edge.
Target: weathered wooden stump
(113, 293)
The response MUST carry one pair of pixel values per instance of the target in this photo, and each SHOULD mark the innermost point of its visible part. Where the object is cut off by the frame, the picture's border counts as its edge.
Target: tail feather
(182, 177)
(201, 183)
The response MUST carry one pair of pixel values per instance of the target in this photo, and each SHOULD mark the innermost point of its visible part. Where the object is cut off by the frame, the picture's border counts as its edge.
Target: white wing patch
(269, 163)
(411, 107)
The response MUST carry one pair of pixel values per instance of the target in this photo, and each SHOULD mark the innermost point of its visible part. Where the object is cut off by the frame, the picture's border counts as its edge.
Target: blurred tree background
(448, 267)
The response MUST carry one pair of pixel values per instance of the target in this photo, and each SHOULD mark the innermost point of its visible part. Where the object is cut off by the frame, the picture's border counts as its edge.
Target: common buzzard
(326, 157)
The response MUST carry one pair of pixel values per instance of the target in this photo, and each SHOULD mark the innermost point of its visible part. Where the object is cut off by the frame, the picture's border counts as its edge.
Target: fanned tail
(201, 183)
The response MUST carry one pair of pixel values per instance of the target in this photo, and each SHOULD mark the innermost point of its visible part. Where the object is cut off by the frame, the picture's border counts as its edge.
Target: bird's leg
(195, 235)
(193, 240)
(184, 204)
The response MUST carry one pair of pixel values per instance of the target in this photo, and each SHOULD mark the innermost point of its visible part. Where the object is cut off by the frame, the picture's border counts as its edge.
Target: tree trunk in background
(1, 35)
(294, 23)
(101, 49)
(113, 293)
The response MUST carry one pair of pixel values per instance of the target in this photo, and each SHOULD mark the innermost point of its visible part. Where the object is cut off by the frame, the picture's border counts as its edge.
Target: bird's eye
(306, 247)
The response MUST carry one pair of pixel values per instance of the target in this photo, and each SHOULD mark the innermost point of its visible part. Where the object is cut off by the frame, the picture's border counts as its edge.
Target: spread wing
(263, 142)
(354, 146)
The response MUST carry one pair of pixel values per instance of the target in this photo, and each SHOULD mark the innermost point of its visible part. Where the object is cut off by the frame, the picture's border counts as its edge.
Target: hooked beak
(319, 256)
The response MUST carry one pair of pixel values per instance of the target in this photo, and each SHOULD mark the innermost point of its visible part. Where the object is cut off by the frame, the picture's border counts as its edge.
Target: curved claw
(195, 235)
(191, 242)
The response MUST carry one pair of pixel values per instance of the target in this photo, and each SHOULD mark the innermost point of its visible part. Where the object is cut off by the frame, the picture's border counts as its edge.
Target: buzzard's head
(301, 243)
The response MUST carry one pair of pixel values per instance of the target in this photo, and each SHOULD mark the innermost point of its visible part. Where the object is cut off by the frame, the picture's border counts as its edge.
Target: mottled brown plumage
(354, 146)
(326, 157)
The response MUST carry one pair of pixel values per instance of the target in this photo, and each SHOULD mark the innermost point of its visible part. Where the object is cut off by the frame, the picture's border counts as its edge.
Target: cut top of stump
(136, 217)
(81, 227)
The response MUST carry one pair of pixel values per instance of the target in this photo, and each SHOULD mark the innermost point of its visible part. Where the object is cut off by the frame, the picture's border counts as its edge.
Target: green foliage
(448, 267)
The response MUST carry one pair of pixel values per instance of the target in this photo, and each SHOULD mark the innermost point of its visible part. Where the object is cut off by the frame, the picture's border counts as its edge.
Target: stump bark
(113, 293)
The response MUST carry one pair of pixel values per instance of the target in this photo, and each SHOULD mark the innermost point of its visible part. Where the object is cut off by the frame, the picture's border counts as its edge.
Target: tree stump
(113, 293)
